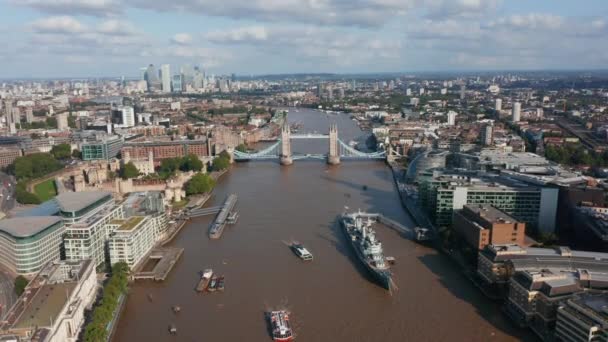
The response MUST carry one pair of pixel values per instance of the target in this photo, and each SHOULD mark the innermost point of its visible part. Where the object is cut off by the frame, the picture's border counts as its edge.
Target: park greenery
(169, 166)
(221, 162)
(47, 124)
(199, 184)
(23, 196)
(62, 151)
(45, 190)
(97, 329)
(128, 170)
(20, 284)
(34, 166)
(575, 154)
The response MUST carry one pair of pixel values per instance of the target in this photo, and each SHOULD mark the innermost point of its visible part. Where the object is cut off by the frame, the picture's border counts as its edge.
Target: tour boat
(279, 323)
(301, 252)
(205, 279)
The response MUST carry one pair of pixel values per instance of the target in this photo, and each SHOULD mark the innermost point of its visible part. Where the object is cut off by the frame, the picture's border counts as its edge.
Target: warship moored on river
(367, 248)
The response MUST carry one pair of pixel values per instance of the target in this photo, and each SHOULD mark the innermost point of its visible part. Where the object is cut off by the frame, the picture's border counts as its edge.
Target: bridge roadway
(309, 136)
(204, 211)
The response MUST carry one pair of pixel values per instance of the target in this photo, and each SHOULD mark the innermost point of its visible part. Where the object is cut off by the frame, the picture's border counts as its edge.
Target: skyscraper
(165, 72)
(498, 105)
(62, 122)
(177, 83)
(151, 77)
(463, 90)
(452, 118)
(486, 134)
(8, 111)
(516, 112)
(29, 114)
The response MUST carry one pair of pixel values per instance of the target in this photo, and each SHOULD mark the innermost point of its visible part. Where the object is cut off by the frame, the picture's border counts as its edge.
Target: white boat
(301, 252)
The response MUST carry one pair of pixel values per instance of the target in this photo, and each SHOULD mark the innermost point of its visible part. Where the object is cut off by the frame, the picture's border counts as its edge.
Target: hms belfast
(368, 249)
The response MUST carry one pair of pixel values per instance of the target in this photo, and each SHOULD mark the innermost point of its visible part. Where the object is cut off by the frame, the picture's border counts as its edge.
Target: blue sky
(82, 38)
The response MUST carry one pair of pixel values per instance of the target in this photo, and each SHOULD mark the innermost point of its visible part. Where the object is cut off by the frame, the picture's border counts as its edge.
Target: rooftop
(590, 305)
(46, 305)
(131, 223)
(21, 227)
(75, 201)
(46, 295)
(490, 213)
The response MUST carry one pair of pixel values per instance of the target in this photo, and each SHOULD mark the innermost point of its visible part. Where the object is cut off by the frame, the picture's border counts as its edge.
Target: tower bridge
(337, 151)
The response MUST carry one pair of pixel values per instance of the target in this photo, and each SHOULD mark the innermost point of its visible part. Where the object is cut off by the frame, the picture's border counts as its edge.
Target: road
(7, 192)
(7, 292)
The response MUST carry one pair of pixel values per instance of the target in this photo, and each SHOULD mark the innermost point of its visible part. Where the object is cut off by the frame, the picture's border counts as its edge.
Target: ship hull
(381, 277)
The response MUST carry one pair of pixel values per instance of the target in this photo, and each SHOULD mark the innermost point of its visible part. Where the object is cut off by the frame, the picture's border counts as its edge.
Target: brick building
(8, 156)
(482, 224)
(166, 149)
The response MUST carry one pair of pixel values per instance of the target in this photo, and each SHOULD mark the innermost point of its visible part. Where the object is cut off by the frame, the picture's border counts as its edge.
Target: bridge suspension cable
(349, 152)
(271, 152)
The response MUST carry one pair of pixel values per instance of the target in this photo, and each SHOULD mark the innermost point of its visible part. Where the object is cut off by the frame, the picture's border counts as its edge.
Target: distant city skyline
(97, 38)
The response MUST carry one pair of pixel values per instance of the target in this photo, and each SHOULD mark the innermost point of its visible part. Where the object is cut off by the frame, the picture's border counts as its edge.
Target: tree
(191, 163)
(242, 148)
(221, 162)
(20, 284)
(199, 184)
(76, 154)
(62, 151)
(51, 122)
(96, 330)
(129, 170)
(34, 166)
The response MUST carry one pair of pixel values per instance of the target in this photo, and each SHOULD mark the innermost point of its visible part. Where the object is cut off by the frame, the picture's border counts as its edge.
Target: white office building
(87, 215)
(123, 116)
(29, 243)
(134, 237)
(52, 307)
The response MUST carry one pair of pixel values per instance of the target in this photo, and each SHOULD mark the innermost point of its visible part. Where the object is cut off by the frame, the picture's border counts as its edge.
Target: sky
(95, 38)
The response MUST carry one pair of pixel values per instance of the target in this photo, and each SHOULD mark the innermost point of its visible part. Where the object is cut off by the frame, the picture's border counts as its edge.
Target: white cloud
(116, 27)
(182, 39)
(532, 21)
(73, 7)
(238, 35)
(60, 24)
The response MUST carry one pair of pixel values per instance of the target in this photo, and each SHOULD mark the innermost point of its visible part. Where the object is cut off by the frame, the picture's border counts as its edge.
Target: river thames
(331, 298)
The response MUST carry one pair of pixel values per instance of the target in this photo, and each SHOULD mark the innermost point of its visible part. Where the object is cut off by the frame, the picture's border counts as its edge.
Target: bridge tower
(333, 158)
(390, 154)
(286, 145)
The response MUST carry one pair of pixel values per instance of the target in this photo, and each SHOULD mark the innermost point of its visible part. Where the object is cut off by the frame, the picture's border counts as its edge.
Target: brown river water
(331, 298)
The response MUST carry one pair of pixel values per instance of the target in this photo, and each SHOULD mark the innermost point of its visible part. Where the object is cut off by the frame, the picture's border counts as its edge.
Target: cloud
(73, 7)
(238, 35)
(115, 27)
(182, 39)
(60, 24)
(443, 9)
(364, 13)
(532, 21)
